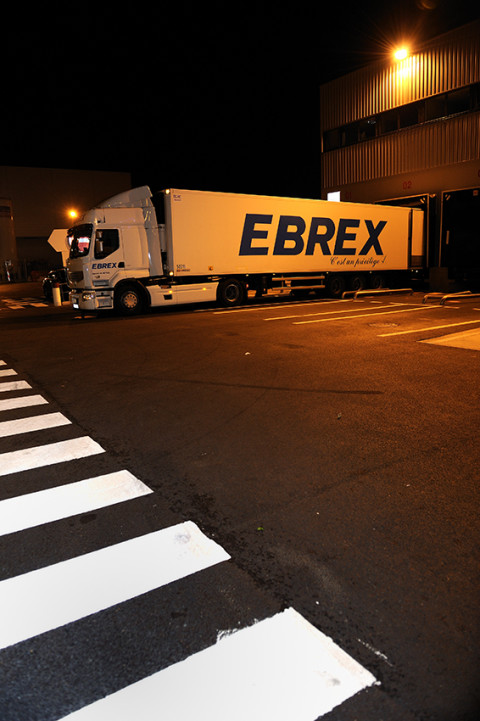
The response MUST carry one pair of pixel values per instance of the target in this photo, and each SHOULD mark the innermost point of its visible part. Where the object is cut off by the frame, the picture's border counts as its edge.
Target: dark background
(213, 95)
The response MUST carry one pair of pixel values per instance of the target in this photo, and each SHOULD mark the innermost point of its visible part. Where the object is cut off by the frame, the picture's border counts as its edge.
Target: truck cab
(109, 255)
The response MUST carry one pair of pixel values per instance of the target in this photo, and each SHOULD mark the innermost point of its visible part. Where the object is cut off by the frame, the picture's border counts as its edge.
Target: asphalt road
(330, 448)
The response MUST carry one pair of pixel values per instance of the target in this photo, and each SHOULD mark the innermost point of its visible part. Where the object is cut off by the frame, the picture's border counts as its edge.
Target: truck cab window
(106, 242)
(79, 240)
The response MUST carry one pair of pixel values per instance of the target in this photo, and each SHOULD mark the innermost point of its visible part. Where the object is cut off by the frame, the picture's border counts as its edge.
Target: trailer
(138, 250)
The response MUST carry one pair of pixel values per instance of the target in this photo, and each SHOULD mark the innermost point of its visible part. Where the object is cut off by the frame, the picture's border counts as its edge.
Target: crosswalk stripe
(48, 454)
(50, 597)
(14, 386)
(52, 504)
(282, 668)
(7, 372)
(34, 423)
(11, 404)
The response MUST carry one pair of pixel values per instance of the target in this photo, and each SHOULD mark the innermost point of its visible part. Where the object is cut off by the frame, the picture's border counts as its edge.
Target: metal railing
(382, 291)
(443, 298)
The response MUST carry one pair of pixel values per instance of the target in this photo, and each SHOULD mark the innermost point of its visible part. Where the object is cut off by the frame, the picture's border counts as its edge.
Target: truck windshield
(79, 239)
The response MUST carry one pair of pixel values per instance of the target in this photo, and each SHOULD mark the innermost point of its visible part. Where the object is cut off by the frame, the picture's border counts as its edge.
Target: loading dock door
(461, 236)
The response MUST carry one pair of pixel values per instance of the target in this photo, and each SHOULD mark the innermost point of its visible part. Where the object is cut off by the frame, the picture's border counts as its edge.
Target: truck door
(108, 257)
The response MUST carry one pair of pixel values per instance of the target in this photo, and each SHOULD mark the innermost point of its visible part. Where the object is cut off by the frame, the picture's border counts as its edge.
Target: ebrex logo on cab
(101, 266)
(290, 237)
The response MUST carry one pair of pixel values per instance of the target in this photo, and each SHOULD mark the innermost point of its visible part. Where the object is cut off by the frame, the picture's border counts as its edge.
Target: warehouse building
(36, 201)
(407, 132)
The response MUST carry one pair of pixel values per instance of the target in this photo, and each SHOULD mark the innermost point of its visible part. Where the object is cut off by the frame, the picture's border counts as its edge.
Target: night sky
(204, 95)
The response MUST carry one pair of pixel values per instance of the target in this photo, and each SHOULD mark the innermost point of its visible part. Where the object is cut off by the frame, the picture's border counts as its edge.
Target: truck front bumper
(88, 300)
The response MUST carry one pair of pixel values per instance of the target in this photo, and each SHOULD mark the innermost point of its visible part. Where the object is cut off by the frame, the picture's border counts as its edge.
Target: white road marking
(14, 386)
(50, 453)
(326, 312)
(52, 504)
(432, 327)
(281, 668)
(50, 597)
(34, 423)
(273, 306)
(11, 404)
(7, 372)
(364, 315)
(467, 339)
(2, 363)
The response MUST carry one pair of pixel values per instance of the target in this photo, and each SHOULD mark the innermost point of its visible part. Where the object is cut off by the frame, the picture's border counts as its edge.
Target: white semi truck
(137, 250)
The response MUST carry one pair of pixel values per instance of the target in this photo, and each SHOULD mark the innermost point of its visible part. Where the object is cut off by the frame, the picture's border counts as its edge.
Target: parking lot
(329, 446)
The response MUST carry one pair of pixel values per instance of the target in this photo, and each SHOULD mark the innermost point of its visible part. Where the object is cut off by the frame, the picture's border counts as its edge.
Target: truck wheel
(357, 282)
(231, 292)
(128, 300)
(336, 285)
(377, 281)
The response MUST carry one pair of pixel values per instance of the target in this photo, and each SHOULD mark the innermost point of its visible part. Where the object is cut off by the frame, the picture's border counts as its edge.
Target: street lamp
(401, 53)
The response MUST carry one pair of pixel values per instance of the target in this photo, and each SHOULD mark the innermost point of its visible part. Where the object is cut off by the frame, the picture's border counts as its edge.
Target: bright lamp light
(401, 53)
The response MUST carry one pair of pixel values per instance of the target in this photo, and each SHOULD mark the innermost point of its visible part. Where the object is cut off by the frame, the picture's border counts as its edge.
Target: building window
(408, 115)
(367, 129)
(436, 107)
(349, 134)
(389, 121)
(458, 101)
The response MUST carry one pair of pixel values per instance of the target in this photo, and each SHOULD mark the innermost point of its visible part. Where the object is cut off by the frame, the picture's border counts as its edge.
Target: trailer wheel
(357, 282)
(129, 300)
(377, 281)
(231, 292)
(336, 285)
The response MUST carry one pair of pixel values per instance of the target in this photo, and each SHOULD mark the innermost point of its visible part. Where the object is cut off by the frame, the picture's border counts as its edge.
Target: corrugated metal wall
(449, 62)
(431, 145)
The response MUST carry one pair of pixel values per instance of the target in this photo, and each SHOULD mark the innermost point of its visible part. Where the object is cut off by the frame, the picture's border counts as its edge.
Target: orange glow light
(401, 54)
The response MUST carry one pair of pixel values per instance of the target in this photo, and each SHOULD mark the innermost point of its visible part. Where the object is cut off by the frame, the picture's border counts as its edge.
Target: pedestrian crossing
(154, 625)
